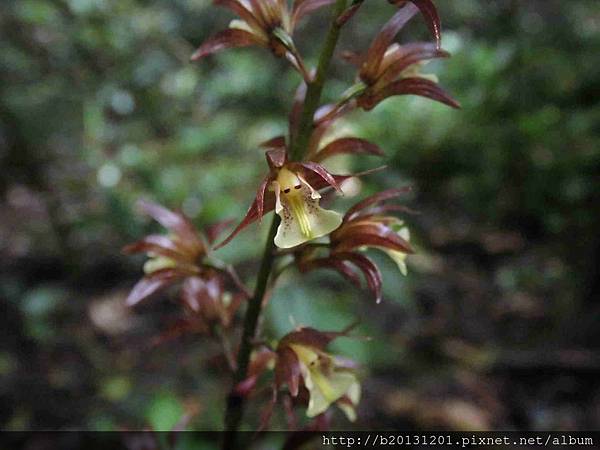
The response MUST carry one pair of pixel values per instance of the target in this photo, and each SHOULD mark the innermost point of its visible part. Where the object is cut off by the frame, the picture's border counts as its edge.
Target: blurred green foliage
(99, 107)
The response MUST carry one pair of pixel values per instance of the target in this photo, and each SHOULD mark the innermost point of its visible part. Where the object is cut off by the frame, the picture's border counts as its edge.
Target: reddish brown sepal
(151, 284)
(230, 38)
(410, 86)
(348, 145)
(383, 40)
(429, 12)
(369, 270)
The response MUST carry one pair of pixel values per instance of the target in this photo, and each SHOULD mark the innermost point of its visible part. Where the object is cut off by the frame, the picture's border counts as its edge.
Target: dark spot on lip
(297, 186)
(287, 190)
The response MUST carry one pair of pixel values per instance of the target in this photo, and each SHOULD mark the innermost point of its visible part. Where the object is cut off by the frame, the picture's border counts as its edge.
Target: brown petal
(411, 86)
(372, 236)
(287, 370)
(152, 283)
(260, 360)
(155, 243)
(323, 173)
(349, 13)
(373, 200)
(343, 267)
(311, 337)
(175, 222)
(259, 12)
(225, 39)
(432, 18)
(276, 158)
(245, 14)
(276, 143)
(260, 197)
(369, 270)
(319, 183)
(348, 146)
(200, 293)
(406, 56)
(382, 41)
(302, 8)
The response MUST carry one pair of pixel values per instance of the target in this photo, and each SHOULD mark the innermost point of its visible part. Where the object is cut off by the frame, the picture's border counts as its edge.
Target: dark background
(496, 325)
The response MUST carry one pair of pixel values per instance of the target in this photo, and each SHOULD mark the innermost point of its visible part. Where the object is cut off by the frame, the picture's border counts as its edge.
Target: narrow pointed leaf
(318, 183)
(311, 337)
(315, 180)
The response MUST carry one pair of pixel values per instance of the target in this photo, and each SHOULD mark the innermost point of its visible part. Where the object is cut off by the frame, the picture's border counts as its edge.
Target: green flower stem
(315, 88)
(235, 402)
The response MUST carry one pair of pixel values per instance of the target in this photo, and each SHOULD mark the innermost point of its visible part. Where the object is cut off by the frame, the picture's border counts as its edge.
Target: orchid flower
(292, 190)
(303, 362)
(389, 69)
(265, 23)
(179, 257)
(365, 226)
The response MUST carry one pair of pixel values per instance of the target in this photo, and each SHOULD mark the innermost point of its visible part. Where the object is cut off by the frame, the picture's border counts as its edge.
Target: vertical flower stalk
(305, 375)
(235, 402)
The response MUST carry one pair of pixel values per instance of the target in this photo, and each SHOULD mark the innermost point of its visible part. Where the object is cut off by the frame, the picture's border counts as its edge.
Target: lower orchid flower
(329, 380)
